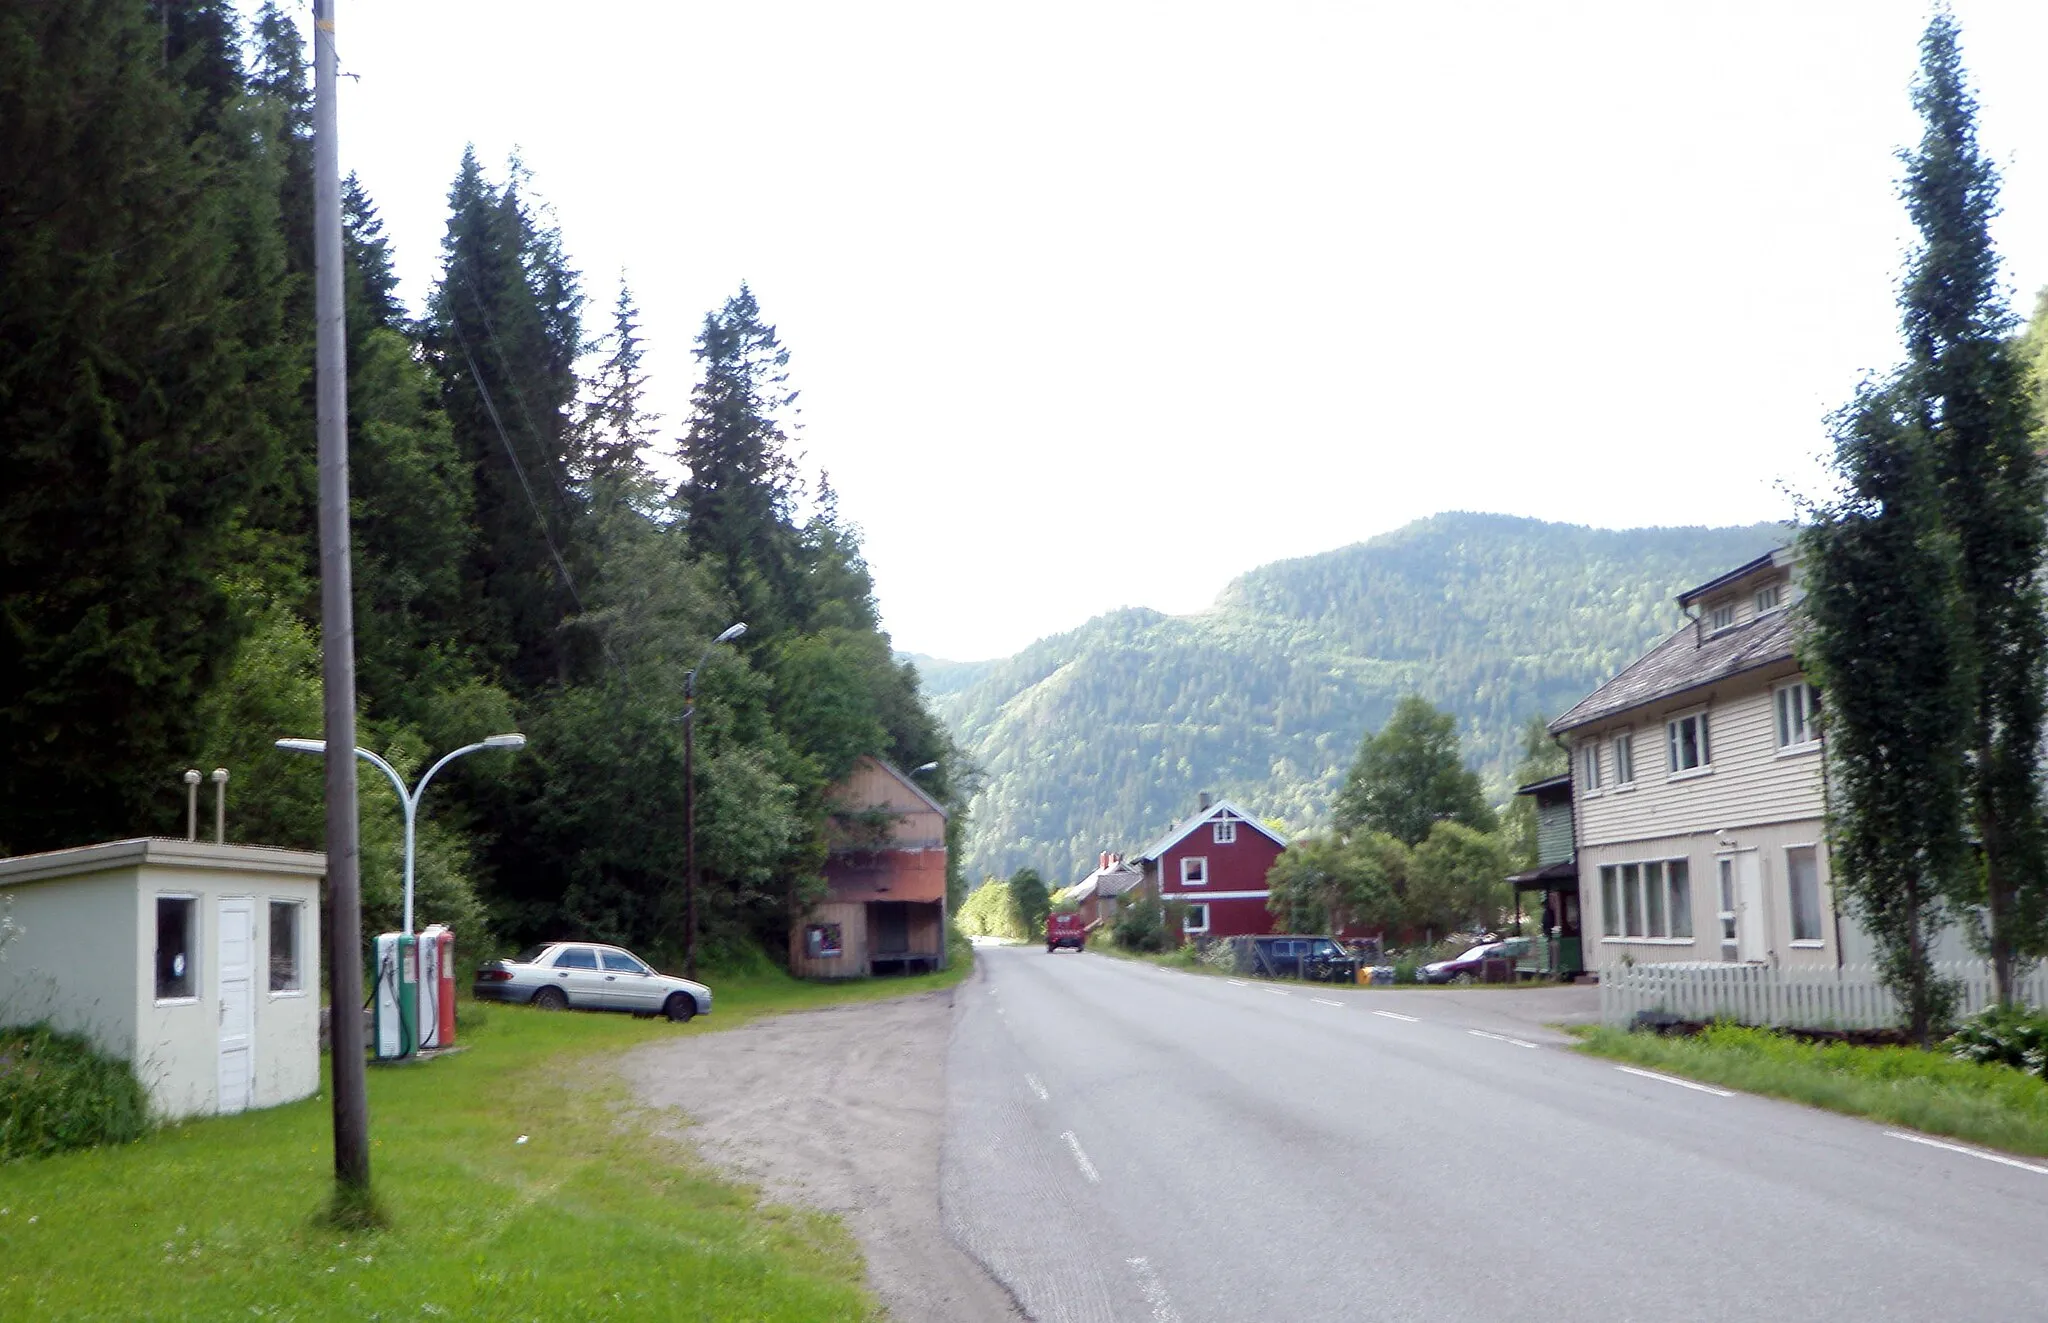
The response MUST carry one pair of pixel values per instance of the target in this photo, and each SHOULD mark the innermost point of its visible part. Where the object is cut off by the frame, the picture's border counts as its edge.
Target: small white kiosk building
(199, 963)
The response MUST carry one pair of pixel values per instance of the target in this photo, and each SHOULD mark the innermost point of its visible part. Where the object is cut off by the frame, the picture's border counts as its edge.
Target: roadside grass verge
(593, 1217)
(1996, 1106)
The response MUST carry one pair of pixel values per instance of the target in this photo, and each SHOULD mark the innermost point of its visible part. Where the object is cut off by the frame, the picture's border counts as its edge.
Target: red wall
(1239, 866)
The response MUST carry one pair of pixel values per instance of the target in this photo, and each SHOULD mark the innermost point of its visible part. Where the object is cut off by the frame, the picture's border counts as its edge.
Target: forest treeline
(1099, 738)
(517, 564)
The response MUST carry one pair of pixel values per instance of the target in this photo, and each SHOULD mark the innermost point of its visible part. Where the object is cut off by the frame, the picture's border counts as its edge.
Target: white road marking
(1325, 1001)
(1499, 1038)
(1155, 1291)
(1087, 1167)
(1396, 1015)
(1972, 1152)
(1673, 1079)
(1235, 982)
(1036, 1087)
(1278, 992)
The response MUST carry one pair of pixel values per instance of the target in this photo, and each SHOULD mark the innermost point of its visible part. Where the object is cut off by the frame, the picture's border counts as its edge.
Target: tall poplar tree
(1886, 647)
(1967, 390)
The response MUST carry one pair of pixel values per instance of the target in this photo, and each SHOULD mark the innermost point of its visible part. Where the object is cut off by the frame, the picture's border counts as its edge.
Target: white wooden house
(198, 963)
(1697, 790)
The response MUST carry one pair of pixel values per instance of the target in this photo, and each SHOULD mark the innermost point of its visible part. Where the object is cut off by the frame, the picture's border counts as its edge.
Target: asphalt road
(1130, 1143)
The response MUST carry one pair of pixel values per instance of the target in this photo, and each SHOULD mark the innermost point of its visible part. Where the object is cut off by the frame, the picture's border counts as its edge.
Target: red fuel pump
(437, 986)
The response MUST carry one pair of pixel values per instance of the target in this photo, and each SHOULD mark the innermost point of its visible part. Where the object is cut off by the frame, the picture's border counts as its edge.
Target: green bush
(1404, 969)
(1141, 925)
(57, 1093)
(2004, 1036)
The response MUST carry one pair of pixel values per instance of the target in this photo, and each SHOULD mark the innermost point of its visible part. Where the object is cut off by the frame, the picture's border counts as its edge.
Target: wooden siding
(852, 918)
(1553, 833)
(1751, 783)
(1236, 867)
(874, 786)
(860, 875)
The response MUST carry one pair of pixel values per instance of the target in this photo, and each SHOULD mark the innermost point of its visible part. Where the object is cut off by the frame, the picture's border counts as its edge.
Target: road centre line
(1278, 992)
(1499, 1038)
(1396, 1015)
(1087, 1167)
(1673, 1079)
(1155, 1291)
(1971, 1152)
(1325, 1001)
(1236, 982)
(1036, 1087)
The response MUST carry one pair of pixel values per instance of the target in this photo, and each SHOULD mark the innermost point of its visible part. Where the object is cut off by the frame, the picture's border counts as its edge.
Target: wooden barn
(885, 908)
(1214, 863)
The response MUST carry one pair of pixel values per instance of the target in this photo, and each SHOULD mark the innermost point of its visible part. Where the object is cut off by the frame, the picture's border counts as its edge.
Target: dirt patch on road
(842, 1110)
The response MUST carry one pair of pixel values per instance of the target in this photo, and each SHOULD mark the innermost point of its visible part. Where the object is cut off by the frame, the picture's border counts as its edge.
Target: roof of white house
(162, 852)
(1214, 813)
(1686, 661)
(1114, 880)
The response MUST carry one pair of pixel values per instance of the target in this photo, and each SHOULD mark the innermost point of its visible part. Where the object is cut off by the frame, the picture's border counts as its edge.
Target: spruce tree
(502, 333)
(1966, 388)
(129, 430)
(736, 501)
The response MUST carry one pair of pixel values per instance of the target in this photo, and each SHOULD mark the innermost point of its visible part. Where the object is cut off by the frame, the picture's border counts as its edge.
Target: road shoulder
(841, 1110)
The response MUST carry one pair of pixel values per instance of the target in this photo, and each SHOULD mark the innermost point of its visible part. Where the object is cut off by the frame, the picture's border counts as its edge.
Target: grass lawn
(593, 1217)
(1995, 1106)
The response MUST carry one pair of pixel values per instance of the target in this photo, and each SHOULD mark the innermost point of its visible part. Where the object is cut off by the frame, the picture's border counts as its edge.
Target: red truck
(1064, 930)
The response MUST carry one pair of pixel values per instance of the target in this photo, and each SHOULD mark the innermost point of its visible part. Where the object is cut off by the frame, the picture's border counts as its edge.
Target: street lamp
(410, 800)
(730, 633)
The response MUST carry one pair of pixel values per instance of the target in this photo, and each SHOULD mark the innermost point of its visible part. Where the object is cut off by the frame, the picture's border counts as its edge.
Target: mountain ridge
(1099, 736)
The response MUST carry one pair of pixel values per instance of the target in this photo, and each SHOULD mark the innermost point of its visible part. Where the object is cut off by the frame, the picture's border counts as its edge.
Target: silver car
(592, 977)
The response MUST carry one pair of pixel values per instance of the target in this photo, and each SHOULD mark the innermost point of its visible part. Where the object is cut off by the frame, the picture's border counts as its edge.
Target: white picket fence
(1847, 998)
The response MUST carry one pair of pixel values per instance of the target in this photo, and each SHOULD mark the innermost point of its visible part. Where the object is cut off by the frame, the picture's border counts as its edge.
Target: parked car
(1285, 955)
(555, 976)
(1065, 930)
(1472, 964)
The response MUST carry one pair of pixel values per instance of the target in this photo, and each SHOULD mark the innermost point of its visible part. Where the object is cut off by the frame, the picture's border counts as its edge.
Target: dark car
(1315, 959)
(1472, 965)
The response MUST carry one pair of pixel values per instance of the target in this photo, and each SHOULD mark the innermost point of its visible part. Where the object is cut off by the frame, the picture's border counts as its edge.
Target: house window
(1687, 736)
(1770, 598)
(1194, 871)
(1651, 899)
(1589, 766)
(1721, 617)
(1196, 920)
(1798, 715)
(177, 947)
(822, 942)
(1624, 760)
(1802, 879)
(1224, 832)
(284, 946)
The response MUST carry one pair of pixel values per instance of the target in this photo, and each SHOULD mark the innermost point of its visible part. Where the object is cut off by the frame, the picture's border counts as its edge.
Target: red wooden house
(1215, 863)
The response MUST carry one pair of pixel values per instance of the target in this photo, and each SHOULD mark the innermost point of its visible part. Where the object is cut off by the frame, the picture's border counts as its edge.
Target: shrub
(57, 1093)
(1404, 969)
(2005, 1036)
(1141, 925)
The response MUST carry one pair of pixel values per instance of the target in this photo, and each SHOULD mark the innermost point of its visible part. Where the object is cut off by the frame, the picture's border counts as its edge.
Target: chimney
(1105, 859)
(1203, 803)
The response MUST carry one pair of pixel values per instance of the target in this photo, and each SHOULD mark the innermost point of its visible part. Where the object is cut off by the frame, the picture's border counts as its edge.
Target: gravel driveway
(842, 1110)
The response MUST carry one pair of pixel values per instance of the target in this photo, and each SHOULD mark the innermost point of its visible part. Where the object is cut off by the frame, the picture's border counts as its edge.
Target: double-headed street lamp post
(410, 799)
(690, 799)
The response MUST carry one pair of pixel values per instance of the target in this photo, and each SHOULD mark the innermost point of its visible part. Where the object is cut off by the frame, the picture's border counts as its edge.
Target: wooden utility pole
(337, 633)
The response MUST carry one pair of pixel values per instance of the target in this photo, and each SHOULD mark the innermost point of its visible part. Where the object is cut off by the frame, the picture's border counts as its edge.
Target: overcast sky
(1103, 304)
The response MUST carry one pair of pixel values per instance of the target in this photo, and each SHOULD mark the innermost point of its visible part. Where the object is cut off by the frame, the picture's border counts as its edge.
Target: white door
(237, 1002)
(1749, 906)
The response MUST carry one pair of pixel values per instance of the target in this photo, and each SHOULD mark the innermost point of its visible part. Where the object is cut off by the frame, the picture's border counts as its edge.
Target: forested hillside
(1098, 738)
(516, 567)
